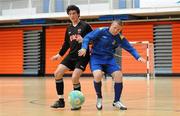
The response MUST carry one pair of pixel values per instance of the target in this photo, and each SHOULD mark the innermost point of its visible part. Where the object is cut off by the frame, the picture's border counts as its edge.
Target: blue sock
(97, 86)
(117, 91)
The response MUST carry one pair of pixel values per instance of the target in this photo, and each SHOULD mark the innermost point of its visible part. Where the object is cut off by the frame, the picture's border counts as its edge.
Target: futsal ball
(76, 98)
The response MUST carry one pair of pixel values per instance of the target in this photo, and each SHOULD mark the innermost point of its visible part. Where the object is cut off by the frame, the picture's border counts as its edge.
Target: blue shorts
(109, 66)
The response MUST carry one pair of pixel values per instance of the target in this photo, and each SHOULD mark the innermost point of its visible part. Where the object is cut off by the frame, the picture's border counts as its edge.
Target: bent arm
(65, 45)
(93, 35)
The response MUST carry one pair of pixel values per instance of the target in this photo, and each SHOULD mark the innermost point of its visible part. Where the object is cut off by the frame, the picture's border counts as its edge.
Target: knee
(58, 74)
(118, 79)
(75, 79)
(97, 78)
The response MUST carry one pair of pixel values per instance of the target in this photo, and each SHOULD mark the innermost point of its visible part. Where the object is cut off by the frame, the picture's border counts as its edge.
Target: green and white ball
(76, 98)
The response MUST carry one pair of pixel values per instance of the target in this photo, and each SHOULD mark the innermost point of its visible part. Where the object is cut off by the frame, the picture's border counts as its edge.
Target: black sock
(77, 87)
(60, 86)
(97, 86)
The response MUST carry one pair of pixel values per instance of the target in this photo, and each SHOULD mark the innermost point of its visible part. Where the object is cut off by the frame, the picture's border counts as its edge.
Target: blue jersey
(104, 45)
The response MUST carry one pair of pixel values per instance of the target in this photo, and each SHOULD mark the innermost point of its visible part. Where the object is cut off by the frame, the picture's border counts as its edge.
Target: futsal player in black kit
(73, 40)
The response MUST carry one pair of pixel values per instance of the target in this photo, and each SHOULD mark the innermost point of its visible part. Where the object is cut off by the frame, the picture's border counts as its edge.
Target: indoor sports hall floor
(26, 96)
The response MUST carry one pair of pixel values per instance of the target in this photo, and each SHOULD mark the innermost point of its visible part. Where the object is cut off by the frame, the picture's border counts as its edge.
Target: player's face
(115, 28)
(73, 15)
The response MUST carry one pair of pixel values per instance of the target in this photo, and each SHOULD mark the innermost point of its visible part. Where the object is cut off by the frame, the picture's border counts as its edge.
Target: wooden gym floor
(32, 96)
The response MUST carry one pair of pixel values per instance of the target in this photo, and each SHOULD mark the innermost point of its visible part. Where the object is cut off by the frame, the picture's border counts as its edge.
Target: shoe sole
(57, 107)
(74, 109)
(99, 108)
(121, 108)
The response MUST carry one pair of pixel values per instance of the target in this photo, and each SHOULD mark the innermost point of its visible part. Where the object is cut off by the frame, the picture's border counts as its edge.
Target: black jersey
(71, 38)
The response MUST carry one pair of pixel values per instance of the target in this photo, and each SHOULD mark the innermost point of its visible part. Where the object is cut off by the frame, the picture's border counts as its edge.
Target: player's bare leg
(76, 83)
(75, 79)
(59, 86)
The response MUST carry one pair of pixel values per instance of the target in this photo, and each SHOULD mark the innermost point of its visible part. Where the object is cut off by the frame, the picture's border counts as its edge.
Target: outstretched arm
(127, 46)
(141, 59)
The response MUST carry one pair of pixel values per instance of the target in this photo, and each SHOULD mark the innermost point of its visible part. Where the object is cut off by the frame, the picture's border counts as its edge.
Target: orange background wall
(176, 48)
(55, 38)
(136, 32)
(11, 46)
(54, 41)
(11, 51)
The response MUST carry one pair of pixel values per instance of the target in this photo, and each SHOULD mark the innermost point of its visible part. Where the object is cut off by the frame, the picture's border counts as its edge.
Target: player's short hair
(119, 22)
(72, 7)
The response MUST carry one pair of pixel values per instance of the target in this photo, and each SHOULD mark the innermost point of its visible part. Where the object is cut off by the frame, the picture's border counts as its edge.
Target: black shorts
(76, 62)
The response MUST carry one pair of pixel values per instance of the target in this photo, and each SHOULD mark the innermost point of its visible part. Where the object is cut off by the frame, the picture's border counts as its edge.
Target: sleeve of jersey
(65, 45)
(89, 29)
(127, 46)
(93, 35)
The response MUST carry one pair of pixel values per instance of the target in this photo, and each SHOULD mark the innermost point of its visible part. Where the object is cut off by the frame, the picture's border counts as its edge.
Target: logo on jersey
(121, 36)
(79, 31)
(104, 37)
(76, 37)
(114, 42)
(82, 66)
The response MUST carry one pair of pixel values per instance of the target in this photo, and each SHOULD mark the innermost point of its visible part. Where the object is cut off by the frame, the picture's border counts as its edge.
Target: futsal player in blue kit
(105, 40)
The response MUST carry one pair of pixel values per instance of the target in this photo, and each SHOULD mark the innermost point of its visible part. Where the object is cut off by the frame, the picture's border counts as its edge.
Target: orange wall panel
(11, 51)
(176, 48)
(143, 32)
(136, 32)
(54, 40)
(130, 64)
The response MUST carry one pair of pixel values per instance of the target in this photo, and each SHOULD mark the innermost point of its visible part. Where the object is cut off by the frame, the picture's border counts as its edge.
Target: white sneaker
(119, 105)
(99, 104)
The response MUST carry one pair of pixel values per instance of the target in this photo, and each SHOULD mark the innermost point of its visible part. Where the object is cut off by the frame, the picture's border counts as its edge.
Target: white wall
(158, 3)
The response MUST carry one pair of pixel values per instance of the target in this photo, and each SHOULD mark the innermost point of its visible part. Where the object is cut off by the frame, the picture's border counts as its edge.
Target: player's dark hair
(73, 7)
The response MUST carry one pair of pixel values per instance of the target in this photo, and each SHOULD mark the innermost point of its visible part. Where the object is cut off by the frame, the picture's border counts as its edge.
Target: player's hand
(82, 52)
(142, 60)
(79, 39)
(55, 57)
